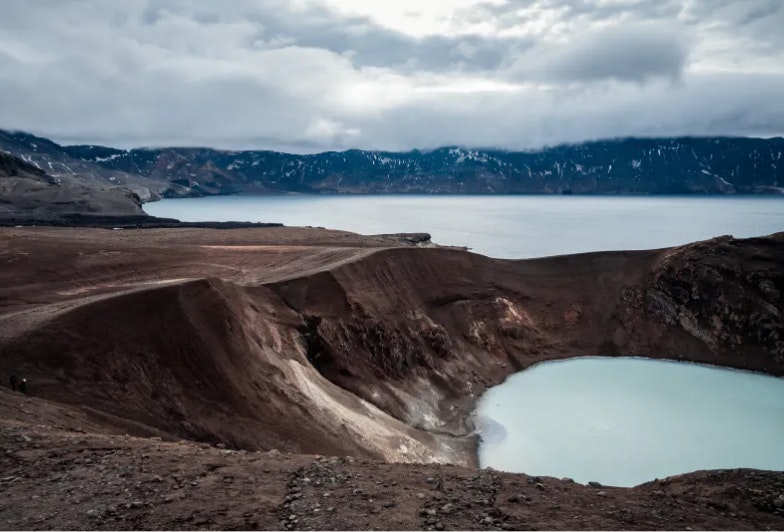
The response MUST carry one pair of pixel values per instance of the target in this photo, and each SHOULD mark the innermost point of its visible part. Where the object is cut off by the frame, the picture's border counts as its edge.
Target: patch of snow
(105, 159)
(460, 155)
(29, 160)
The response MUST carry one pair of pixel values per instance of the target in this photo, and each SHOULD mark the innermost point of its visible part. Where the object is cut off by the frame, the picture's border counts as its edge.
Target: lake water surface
(505, 226)
(625, 421)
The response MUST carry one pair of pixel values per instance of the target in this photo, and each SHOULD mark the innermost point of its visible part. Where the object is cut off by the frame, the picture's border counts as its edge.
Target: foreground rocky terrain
(211, 365)
(65, 468)
(625, 166)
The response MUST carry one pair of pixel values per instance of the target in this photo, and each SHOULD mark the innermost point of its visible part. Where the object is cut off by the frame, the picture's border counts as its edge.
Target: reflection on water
(627, 421)
(490, 431)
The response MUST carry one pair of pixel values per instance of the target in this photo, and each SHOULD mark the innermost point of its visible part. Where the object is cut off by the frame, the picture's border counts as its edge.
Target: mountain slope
(626, 166)
(54, 159)
(27, 192)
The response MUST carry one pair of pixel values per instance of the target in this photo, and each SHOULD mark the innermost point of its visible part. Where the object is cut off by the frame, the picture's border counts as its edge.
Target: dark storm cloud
(630, 53)
(301, 75)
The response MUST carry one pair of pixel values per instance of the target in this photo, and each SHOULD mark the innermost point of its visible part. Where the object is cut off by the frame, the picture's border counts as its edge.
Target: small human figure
(23, 386)
(13, 382)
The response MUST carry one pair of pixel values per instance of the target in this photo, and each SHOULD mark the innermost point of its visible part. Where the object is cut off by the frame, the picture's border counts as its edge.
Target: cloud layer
(310, 75)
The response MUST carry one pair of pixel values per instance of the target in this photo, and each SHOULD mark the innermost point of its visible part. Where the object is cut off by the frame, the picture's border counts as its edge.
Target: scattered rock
(595, 484)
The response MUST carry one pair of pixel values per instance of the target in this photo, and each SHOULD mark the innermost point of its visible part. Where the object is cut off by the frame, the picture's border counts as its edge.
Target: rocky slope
(66, 469)
(627, 166)
(27, 192)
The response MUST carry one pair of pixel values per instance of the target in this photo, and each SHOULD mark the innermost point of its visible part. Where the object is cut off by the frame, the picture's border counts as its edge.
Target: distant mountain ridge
(720, 165)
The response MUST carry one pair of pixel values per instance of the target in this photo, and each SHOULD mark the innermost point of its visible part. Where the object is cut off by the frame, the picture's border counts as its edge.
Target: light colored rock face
(372, 428)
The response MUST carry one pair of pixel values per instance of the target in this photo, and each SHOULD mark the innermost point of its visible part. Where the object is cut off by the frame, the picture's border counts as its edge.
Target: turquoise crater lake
(625, 421)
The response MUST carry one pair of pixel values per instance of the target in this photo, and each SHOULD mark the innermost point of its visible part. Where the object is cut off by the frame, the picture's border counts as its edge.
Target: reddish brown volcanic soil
(310, 341)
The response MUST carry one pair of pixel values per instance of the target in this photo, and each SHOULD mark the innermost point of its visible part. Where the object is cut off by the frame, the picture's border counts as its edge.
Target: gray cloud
(301, 76)
(623, 52)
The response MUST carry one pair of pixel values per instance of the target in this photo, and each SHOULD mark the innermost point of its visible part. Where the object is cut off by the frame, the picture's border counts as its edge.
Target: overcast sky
(310, 75)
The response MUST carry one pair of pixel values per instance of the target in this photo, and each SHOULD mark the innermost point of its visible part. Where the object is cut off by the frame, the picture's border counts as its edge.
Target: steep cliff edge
(420, 333)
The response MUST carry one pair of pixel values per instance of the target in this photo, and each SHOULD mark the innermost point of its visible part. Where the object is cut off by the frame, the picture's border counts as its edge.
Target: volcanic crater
(270, 345)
